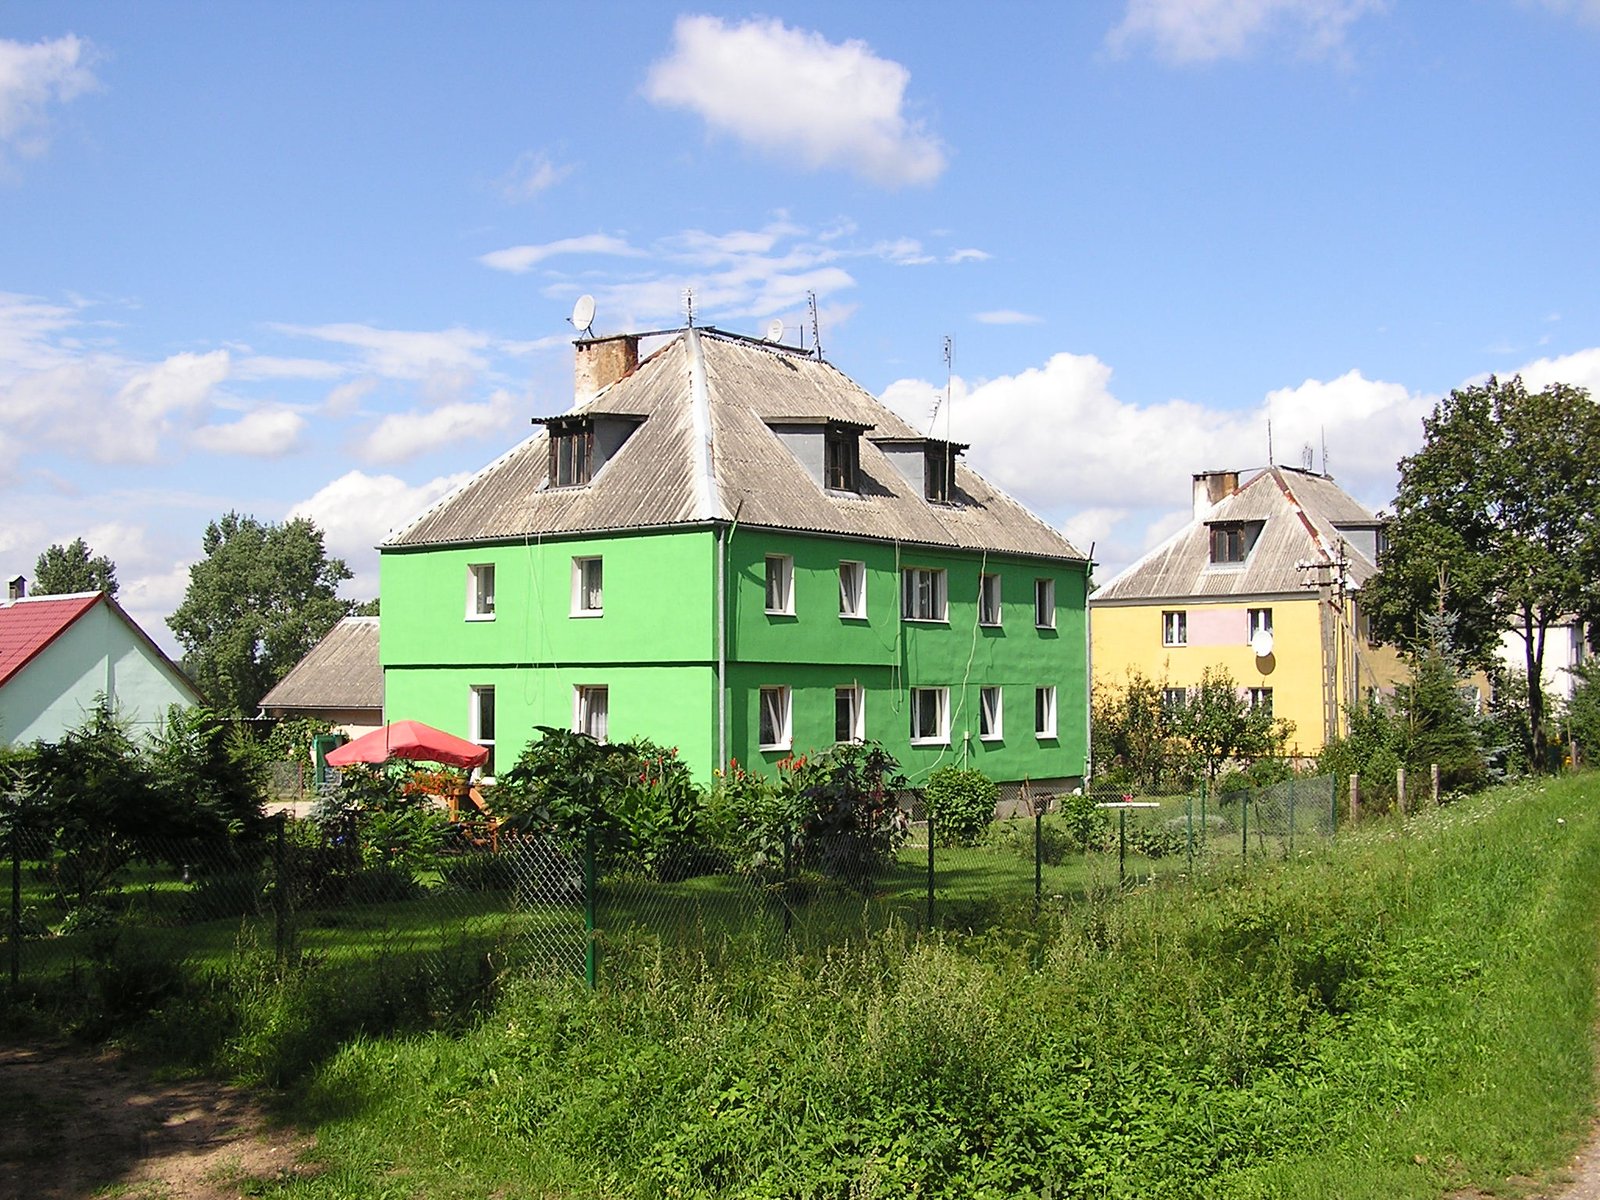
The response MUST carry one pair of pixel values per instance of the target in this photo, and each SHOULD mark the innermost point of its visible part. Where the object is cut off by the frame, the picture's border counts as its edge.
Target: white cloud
(1006, 316)
(1059, 439)
(1581, 369)
(743, 79)
(905, 252)
(357, 511)
(268, 433)
(970, 254)
(33, 77)
(520, 259)
(260, 366)
(1198, 31)
(531, 174)
(400, 436)
(180, 384)
(404, 354)
(347, 397)
(1586, 11)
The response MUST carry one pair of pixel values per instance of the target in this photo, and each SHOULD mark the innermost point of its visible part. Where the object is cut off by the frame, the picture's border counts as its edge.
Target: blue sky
(318, 259)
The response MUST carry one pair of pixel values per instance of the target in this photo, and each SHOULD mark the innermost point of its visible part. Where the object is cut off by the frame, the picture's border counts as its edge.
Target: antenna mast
(688, 306)
(816, 337)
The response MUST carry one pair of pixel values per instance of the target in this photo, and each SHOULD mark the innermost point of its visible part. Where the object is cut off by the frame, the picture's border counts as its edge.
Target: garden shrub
(961, 804)
(851, 827)
(1084, 820)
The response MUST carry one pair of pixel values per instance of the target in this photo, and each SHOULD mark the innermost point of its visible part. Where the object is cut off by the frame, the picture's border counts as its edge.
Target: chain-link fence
(352, 893)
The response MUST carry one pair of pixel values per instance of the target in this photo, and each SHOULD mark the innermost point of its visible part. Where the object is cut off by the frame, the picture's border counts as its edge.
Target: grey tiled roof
(664, 475)
(340, 671)
(1302, 513)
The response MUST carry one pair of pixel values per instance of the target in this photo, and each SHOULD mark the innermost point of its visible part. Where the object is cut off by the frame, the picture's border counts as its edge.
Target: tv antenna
(582, 317)
(816, 336)
(688, 306)
(943, 399)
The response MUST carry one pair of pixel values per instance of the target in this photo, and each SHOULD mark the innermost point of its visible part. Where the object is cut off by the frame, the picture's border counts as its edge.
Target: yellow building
(1264, 582)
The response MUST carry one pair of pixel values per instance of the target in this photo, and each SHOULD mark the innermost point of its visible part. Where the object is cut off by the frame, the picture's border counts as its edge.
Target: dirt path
(72, 1124)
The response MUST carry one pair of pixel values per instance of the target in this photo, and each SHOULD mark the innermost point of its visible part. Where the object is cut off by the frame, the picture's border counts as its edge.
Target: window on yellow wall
(1175, 628)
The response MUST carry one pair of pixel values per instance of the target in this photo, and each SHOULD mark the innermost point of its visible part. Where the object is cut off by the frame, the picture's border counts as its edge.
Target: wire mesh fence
(348, 893)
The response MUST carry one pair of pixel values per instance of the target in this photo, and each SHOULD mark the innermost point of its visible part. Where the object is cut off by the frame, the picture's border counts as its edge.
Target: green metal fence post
(930, 869)
(280, 891)
(1188, 816)
(1122, 847)
(16, 900)
(1038, 858)
(785, 890)
(1244, 828)
(1205, 826)
(1291, 816)
(591, 951)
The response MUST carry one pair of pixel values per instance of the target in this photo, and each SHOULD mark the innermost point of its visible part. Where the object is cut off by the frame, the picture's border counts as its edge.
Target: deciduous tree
(262, 596)
(1497, 522)
(62, 570)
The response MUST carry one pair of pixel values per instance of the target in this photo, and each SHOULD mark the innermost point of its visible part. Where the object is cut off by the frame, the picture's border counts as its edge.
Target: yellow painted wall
(1128, 638)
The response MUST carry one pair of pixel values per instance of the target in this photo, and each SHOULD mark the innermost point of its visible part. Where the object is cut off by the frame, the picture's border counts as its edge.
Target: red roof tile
(28, 626)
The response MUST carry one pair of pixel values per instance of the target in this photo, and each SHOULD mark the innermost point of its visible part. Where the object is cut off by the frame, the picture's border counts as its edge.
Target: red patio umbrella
(409, 740)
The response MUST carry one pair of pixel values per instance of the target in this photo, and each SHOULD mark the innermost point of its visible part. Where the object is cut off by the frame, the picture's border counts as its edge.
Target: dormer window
(1231, 541)
(841, 465)
(571, 454)
(581, 445)
(829, 448)
(927, 464)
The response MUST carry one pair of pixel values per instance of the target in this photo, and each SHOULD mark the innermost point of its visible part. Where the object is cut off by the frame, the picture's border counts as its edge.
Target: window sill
(991, 738)
(1174, 645)
(861, 617)
(587, 613)
(926, 620)
(939, 741)
(480, 616)
(780, 748)
(779, 612)
(1044, 628)
(990, 625)
(1046, 737)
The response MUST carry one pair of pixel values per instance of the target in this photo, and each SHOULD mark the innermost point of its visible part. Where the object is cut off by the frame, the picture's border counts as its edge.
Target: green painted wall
(655, 646)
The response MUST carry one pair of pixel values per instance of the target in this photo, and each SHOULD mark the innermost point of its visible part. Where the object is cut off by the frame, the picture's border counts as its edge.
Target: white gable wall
(97, 654)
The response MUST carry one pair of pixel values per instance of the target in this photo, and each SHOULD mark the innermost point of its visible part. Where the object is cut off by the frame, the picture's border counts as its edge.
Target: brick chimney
(16, 588)
(600, 362)
(1212, 487)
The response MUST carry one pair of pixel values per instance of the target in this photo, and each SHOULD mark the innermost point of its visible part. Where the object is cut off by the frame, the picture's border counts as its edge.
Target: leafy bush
(961, 804)
(850, 826)
(1084, 820)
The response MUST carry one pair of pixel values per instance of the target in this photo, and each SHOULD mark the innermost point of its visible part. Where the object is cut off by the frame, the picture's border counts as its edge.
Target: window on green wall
(480, 592)
(1044, 712)
(849, 714)
(923, 595)
(591, 710)
(1044, 603)
(780, 585)
(990, 715)
(588, 587)
(480, 724)
(930, 716)
(775, 716)
(988, 599)
(852, 589)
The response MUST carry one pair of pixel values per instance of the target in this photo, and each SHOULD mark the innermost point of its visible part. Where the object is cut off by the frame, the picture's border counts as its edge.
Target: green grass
(1404, 1013)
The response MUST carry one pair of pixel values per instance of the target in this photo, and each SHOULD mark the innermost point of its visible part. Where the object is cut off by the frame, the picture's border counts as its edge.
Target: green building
(731, 548)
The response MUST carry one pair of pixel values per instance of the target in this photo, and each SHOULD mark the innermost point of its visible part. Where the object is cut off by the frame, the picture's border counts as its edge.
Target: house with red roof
(60, 654)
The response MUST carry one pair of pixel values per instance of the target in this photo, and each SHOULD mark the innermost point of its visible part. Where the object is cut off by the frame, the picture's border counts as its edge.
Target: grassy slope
(1407, 1012)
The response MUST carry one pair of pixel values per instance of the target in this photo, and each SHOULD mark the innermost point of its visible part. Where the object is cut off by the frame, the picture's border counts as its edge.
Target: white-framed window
(775, 731)
(990, 724)
(930, 716)
(780, 584)
(1175, 628)
(923, 595)
(853, 589)
(849, 714)
(480, 724)
(1174, 699)
(591, 711)
(988, 599)
(588, 587)
(1261, 697)
(1260, 622)
(480, 591)
(1044, 603)
(1044, 712)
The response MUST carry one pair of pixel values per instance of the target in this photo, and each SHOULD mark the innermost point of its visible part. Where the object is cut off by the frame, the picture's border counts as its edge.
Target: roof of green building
(710, 437)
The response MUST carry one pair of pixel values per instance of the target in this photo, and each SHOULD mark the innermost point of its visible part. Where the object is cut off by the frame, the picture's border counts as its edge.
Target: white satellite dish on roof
(775, 330)
(583, 314)
(1261, 642)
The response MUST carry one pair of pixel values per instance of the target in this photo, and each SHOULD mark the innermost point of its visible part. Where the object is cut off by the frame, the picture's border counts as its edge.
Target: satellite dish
(775, 330)
(1261, 642)
(583, 313)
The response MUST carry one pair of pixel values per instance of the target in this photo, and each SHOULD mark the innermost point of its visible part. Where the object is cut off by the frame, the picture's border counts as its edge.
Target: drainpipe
(722, 649)
(1088, 673)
